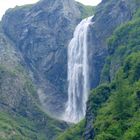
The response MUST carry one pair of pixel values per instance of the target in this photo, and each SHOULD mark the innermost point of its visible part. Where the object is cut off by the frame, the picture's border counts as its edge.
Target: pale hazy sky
(5, 4)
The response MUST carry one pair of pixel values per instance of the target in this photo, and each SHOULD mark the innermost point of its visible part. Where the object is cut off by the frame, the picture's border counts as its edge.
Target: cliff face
(108, 15)
(33, 43)
(33, 59)
(41, 33)
(20, 113)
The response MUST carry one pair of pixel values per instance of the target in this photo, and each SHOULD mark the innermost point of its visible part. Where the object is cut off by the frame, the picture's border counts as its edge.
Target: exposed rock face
(109, 15)
(41, 33)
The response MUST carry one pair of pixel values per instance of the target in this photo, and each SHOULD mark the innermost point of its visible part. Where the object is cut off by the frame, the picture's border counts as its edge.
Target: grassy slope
(20, 115)
(17, 129)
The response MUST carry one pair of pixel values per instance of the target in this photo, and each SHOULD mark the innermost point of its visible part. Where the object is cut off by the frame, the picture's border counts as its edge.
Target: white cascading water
(78, 79)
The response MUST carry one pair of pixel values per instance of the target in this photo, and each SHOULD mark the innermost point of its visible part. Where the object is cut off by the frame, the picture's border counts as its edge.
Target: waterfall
(78, 79)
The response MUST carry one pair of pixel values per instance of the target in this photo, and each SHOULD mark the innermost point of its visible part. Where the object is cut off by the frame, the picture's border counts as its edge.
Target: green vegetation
(86, 11)
(18, 129)
(74, 133)
(20, 115)
(125, 40)
(118, 118)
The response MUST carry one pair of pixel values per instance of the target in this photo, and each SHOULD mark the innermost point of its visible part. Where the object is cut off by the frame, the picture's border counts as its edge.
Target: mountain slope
(118, 118)
(20, 114)
(33, 69)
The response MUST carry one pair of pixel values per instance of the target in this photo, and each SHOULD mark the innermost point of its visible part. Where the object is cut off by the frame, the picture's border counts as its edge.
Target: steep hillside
(39, 33)
(20, 114)
(109, 14)
(118, 118)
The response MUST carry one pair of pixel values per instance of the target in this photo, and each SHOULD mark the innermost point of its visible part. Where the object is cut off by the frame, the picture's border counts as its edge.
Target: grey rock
(41, 33)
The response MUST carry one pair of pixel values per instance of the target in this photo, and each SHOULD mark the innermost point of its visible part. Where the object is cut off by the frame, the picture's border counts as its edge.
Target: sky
(6, 4)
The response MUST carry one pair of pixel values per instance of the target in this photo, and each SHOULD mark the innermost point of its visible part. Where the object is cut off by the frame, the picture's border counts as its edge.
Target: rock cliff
(21, 116)
(41, 33)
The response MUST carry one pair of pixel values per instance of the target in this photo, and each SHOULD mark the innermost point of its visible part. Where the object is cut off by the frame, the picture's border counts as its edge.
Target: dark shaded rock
(138, 94)
(89, 130)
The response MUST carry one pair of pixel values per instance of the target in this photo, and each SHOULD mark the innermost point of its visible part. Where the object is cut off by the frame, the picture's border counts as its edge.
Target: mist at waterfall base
(78, 78)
